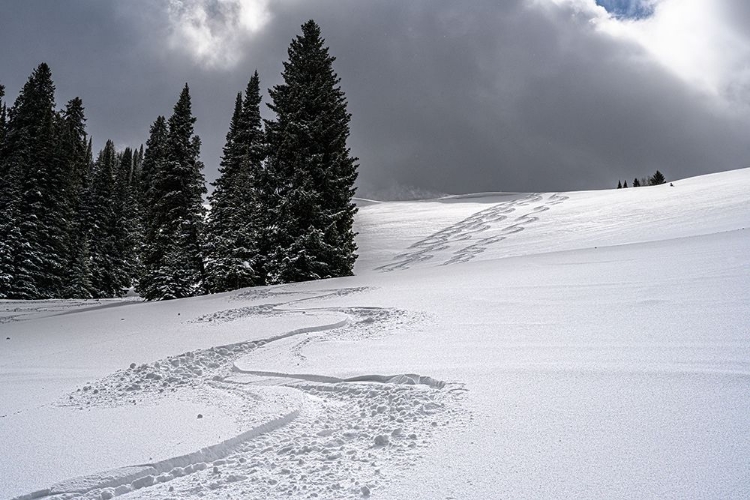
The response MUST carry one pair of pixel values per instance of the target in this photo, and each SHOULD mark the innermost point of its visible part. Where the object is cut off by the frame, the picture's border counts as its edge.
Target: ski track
(478, 224)
(20, 310)
(335, 438)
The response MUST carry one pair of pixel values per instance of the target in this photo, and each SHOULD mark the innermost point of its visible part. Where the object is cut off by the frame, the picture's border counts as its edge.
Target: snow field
(550, 345)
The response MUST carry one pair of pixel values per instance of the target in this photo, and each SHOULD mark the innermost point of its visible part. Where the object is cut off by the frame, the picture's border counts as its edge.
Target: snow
(543, 345)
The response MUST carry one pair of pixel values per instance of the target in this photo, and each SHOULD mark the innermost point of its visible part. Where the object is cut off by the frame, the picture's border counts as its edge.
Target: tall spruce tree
(154, 158)
(173, 262)
(138, 214)
(34, 196)
(75, 152)
(108, 275)
(126, 213)
(3, 120)
(9, 233)
(152, 244)
(310, 171)
(231, 250)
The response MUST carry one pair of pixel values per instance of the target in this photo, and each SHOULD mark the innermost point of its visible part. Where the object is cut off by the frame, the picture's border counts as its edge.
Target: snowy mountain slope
(578, 345)
(487, 226)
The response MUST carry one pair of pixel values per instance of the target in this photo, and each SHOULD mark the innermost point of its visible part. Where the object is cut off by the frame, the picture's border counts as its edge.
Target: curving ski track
(330, 438)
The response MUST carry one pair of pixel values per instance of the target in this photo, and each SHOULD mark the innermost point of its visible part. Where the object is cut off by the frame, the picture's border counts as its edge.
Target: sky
(445, 96)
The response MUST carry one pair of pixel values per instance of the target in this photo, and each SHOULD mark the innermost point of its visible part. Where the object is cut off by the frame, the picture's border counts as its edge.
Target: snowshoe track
(474, 228)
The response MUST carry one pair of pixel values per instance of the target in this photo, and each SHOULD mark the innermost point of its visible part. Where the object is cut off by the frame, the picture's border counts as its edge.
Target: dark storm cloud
(446, 96)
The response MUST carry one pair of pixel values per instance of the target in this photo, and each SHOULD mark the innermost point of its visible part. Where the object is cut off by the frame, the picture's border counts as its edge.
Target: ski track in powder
(485, 228)
(317, 436)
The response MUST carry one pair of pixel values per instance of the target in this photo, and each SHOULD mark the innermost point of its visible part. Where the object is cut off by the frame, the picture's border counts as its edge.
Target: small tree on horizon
(657, 178)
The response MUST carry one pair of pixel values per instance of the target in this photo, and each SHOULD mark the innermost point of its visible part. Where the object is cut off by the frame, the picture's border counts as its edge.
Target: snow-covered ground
(546, 345)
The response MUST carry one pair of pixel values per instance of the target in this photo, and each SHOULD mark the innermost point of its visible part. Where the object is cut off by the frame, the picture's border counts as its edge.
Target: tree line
(654, 180)
(72, 225)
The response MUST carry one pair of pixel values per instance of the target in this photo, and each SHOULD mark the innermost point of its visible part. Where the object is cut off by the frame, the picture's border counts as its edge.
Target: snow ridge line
(405, 378)
(309, 329)
(147, 475)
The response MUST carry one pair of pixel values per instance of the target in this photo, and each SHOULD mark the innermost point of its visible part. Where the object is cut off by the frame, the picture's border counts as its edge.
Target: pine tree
(35, 198)
(3, 120)
(619, 185)
(107, 262)
(151, 252)
(173, 262)
(10, 237)
(625, 184)
(252, 184)
(76, 155)
(636, 183)
(80, 281)
(231, 253)
(154, 158)
(656, 179)
(309, 168)
(138, 215)
(126, 212)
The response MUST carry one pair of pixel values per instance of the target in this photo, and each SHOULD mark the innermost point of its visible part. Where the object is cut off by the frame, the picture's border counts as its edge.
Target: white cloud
(694, 39)
(213, 31)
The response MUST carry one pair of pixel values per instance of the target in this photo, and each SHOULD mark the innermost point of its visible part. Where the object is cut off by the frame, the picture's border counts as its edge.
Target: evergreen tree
(126, 212)
(75, 153)
(619, 185)
(231, 252)
(138, 215)
(173, 264)
(3, 120)
(80, 285)
(10, 237)
(310, 171)
(108, 278)
(656, 179)
(151, 251)
(154, 158)
(252, 183)
(34, 196)
(625, 184)
(636, 183)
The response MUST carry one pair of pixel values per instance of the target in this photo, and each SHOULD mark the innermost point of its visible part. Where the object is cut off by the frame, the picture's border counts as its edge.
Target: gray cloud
(519, 95)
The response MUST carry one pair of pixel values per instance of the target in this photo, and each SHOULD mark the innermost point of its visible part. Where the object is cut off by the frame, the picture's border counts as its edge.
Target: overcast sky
(446, 96)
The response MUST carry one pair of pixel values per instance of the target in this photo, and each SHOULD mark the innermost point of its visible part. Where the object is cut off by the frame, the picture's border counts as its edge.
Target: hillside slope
(550, 345)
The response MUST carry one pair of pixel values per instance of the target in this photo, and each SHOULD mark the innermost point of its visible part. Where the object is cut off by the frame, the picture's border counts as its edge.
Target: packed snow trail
(323, 436)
